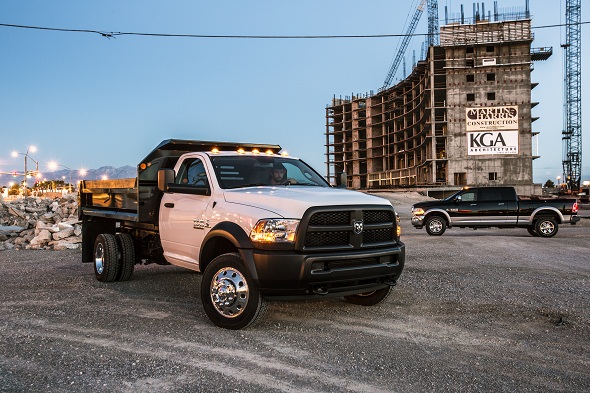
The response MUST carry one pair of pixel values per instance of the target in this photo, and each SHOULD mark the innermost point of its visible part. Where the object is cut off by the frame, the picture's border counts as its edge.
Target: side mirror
(341, 180)
(165, 177)
(458, 198)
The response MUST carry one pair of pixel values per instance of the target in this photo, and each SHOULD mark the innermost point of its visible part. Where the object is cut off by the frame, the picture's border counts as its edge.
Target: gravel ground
(485, 310)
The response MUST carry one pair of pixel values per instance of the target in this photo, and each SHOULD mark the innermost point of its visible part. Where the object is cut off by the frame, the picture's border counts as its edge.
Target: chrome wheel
(99, 258)
(230, 297)
(106, 258)
(229, 292)
(435, 225)
(546, 227)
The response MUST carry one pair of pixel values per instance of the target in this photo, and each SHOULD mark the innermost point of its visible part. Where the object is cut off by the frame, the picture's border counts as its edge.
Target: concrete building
(461, 118)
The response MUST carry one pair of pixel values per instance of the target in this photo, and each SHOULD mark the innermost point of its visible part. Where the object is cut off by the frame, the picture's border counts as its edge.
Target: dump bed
(117, 198)
(138, 199)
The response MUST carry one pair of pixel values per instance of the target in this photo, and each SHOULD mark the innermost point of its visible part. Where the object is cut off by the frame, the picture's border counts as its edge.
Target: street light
(30, 149)
(53, 165)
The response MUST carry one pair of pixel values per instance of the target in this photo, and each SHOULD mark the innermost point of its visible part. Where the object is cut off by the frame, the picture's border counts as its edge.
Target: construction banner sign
(492, 142)
(491, 118)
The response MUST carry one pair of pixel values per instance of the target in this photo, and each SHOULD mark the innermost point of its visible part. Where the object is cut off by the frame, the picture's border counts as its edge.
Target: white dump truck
(257, 223)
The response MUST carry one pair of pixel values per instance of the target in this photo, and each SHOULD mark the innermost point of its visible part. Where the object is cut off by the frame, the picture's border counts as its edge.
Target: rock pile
(40, 224)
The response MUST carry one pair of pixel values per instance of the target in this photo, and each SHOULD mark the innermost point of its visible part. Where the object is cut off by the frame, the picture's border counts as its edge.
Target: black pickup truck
(495, 207)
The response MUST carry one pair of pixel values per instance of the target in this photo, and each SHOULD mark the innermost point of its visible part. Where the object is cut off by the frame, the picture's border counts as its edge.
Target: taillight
(575, 207)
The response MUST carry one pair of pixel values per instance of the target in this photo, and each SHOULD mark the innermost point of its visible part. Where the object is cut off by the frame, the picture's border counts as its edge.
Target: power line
(114, 34)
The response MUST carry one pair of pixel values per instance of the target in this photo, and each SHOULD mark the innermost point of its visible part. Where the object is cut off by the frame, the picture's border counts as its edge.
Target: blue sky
(88, 101)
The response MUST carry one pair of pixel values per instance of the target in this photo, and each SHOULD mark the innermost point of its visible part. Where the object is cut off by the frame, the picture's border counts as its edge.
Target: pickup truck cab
(495, 207)
(257, 223)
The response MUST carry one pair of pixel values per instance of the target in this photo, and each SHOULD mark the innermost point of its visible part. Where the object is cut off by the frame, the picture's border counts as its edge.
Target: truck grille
(332, 238)
(334, 228)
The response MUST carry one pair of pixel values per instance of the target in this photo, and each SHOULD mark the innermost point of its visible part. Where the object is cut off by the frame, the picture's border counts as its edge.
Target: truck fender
(543, 211)
(233, 234)
(444, 213)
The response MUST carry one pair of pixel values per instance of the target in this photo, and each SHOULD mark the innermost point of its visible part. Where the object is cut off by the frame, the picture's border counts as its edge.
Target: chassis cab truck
(257, 223)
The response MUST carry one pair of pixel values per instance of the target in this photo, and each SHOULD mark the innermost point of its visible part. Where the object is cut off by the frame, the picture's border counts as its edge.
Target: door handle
(168, 204)
(473, 204)
(501, 204)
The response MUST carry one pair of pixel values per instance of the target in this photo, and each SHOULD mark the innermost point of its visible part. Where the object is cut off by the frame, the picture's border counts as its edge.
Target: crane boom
(572, 133)
(404, 45)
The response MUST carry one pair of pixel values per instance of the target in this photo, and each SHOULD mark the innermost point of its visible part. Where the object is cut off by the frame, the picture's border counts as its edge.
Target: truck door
(183, 215)
(497, 205)
(491, 206)
(464, 209)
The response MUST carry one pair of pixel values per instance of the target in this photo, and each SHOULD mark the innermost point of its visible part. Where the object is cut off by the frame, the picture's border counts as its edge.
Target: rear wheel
(106, 258)
(546, 227)
(435, 225)
(369, 298)
(229, 296)
(127, 262)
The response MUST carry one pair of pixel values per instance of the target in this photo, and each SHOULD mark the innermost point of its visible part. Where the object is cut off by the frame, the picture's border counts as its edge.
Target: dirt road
(485, 310)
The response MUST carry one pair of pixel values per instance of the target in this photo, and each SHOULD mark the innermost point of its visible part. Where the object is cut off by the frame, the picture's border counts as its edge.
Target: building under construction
(461, 118)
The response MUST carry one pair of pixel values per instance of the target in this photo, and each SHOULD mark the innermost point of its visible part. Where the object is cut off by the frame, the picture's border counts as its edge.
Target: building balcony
(539, 54)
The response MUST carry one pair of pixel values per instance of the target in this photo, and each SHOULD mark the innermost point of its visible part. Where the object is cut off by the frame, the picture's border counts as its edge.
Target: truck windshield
(251, 171)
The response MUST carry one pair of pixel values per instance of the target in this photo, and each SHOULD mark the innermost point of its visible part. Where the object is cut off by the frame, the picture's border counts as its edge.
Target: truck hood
(292, 201)
(427, 204)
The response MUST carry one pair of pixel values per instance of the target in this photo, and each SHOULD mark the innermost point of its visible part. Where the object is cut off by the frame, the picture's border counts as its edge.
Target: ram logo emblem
(357, 227)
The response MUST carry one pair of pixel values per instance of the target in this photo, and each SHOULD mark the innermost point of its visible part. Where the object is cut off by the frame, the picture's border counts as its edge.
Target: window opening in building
(469, 49)
(460, 179)
(469, 63)
(491, 96)
(493, 175)
(470, 77)
(470, 97)
(491, 77)
(490, 48)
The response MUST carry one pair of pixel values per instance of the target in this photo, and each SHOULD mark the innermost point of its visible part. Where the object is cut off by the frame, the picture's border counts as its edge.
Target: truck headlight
(274, 231)
(417, 211)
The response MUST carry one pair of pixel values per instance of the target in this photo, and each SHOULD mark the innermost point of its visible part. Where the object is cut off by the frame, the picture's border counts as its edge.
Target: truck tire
(229, 296)
(531, 231)
(435, 225)
(369, 298)
(546, 227)
(106, 258)
(127, 262)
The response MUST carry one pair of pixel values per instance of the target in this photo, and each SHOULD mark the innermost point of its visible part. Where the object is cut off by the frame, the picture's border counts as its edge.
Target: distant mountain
(91, 174)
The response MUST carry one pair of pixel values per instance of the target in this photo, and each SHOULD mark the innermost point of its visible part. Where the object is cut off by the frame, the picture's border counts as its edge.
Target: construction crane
(433, 34)
(404, 45)
(433, 30)
(572, 131)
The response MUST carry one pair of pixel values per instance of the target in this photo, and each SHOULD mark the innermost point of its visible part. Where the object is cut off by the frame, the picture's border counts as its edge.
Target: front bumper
(287, 274)
(418, 221)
